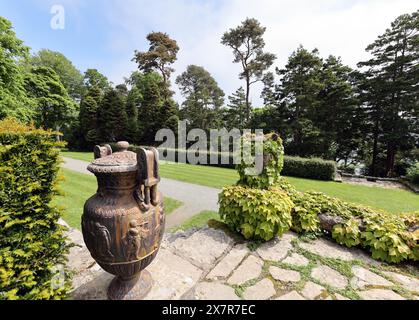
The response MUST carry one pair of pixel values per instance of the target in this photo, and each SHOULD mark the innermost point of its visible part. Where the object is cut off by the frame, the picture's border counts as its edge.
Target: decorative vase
(123, 223)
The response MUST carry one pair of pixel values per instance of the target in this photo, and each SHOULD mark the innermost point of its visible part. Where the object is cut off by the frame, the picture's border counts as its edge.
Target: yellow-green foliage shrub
(387, 236)
(32, 243)
(262, 206)
(273, 160)
(256, 213)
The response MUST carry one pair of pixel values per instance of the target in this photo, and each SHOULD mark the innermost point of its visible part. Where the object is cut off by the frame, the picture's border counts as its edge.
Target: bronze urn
(123, 223)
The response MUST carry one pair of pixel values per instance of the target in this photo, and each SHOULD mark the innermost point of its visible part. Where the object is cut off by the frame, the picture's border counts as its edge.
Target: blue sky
(104, 34)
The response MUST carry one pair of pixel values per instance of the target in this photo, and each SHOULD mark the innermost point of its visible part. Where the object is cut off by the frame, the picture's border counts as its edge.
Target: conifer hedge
(32, 242)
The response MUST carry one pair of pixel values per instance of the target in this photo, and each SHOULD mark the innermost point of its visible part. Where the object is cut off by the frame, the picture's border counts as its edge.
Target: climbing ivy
(271, 159)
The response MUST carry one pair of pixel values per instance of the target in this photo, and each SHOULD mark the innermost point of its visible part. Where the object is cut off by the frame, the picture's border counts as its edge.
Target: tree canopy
(203, 97)
(247, 43)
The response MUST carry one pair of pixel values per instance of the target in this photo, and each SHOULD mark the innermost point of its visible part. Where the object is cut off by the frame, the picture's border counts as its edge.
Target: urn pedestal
(123, 223)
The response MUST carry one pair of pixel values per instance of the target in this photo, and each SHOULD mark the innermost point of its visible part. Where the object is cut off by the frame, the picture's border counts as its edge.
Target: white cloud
(342, 28)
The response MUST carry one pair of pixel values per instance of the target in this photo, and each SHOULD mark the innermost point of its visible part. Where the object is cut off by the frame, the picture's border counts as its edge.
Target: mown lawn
(198, 220)
(78, 187)
(392, 200)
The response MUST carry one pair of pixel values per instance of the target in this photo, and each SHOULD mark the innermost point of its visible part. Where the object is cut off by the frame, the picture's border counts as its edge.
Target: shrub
(413, 173)
(389, 237)
(255, 213)
(347, 233)
(32, 242)
(310, 168)
(271, 164)
(350, 168)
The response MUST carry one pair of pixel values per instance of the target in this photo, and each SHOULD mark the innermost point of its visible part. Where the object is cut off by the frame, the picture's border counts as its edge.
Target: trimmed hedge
(413, 173)
(309, 168)
(32, 242)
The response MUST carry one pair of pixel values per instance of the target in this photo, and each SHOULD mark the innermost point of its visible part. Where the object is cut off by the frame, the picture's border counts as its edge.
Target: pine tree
(234, 114)
(247, 43)
(112, 117)
(298, 101)
(390, 91)
(203, 98)
(88, 115)
(338, 115)
(131, 106)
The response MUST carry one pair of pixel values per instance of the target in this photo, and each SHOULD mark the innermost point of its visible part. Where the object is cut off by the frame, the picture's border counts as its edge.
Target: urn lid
(108, 162)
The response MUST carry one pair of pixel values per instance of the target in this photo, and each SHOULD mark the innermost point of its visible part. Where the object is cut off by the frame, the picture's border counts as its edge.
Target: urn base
(135, 288)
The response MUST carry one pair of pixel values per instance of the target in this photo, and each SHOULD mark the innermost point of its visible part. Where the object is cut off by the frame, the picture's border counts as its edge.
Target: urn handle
(148, 177)
(102, 151)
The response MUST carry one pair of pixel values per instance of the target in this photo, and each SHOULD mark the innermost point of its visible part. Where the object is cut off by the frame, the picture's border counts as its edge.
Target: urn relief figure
(123, 223)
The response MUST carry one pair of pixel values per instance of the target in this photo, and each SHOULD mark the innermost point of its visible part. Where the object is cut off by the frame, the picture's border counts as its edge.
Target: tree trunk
(247, 99)
(391, 153)
(375, 150)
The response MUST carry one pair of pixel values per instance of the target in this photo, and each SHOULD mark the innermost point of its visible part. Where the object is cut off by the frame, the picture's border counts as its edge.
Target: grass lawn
(78, 187)
(392, 200)
(198, 220)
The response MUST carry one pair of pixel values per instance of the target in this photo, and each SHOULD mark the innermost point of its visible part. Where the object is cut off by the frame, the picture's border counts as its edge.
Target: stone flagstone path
(209, 264)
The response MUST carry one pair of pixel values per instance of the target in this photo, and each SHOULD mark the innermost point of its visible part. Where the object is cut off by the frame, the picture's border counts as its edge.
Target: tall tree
(54, 107)
(391, 89)
(93, 78)
(112, 117)
(13, 99)
(203, 98)
(70, 77)
(234, 113)
(132, 105)
(161, 54)
(247, 43)
(154, 110)
(88, 115)
(339, 116)
(300, 84)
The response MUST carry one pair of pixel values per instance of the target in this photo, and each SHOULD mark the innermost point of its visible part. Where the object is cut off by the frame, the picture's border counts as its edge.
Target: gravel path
(195, 198)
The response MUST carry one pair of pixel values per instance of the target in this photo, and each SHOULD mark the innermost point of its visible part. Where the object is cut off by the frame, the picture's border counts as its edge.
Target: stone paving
(209, 264)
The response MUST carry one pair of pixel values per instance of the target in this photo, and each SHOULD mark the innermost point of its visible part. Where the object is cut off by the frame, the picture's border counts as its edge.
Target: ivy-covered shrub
(389, 237)
(32, 243)
(310, 168)
(268, 172)
(256, 213)
(262, 206)
(413, 173)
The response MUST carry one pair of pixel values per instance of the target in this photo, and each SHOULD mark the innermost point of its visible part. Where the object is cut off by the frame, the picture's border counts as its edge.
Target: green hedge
(413, 173)
(32, 243)
(310, 168)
